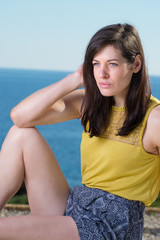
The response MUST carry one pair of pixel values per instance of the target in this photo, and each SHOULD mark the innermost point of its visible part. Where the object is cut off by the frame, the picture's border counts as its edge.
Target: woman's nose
(103, 72)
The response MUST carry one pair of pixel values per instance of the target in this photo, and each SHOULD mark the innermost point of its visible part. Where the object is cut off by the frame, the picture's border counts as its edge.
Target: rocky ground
(152, 224)
(151, 220)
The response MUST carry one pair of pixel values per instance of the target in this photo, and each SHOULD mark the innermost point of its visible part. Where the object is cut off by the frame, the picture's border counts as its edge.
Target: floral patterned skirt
(101, 215)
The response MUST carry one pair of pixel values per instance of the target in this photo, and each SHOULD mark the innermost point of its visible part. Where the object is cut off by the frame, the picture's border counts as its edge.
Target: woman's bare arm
(156, 128)
(151, 138)
(56, 103)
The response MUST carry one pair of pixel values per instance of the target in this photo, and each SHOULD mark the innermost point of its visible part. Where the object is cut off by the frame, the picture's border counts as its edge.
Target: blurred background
(50, 34)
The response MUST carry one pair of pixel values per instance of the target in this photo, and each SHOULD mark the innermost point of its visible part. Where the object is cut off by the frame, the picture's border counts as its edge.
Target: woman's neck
(119, 102)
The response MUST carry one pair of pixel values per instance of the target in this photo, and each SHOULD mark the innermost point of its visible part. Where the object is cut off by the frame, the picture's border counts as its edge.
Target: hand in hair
(79, 76)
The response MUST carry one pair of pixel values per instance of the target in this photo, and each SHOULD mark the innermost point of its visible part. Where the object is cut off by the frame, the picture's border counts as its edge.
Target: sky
(53, 34)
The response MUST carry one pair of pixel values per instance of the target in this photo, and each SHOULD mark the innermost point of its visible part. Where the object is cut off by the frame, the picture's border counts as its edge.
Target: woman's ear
(137, 63)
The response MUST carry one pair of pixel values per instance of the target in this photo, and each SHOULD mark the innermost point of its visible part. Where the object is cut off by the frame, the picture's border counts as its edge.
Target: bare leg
(38, 228)
(25, 153)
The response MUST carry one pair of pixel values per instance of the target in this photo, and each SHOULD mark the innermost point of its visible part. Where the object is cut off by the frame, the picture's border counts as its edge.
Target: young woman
(120, 150)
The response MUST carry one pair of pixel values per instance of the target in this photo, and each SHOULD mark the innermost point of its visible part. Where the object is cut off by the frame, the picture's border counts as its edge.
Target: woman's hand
(78, 74)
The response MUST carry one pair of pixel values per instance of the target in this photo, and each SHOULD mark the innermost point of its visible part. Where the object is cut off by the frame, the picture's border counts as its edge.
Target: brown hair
(96, 108)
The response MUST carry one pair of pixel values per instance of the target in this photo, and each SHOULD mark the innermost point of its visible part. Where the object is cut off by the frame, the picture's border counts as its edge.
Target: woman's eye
(113, 64)
(94, 63)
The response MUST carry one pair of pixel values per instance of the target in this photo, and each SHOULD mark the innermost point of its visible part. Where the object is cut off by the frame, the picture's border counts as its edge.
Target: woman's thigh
(25, 153)
(38, 227)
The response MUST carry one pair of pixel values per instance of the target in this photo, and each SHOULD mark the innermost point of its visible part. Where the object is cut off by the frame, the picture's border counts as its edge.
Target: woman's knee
(19, 134)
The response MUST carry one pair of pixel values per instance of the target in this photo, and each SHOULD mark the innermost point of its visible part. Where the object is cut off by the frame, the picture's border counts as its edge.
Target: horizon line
(52, 70)
(37, 69)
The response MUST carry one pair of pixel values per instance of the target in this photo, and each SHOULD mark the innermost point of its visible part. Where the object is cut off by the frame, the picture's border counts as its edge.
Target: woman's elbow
(16, 118)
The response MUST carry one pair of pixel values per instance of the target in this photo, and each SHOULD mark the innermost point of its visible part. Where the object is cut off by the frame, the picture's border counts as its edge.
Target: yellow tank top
(119, 164)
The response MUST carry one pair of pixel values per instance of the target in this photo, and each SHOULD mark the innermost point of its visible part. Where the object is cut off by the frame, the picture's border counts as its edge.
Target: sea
(64, 138)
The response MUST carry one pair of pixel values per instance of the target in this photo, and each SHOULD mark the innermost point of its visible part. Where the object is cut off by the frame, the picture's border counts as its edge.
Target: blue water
(64, 138)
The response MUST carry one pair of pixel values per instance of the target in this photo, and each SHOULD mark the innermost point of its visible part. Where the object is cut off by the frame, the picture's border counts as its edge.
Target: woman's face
(112, 73)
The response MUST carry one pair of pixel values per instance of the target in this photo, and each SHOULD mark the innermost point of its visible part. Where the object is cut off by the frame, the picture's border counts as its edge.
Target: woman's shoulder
(153, 102)
(153, 110)
(155, 115)
(153, 126)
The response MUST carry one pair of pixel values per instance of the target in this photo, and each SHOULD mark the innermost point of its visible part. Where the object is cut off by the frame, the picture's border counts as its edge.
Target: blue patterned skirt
(100, 215)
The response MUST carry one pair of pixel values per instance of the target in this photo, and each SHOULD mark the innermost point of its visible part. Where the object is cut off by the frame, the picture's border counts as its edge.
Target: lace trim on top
(116, 122)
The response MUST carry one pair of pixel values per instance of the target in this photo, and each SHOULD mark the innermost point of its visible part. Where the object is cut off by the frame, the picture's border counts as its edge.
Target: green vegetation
(19, 199)
(157, 202)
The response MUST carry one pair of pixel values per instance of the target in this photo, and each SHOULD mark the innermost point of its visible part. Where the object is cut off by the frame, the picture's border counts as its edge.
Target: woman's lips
(105, 84)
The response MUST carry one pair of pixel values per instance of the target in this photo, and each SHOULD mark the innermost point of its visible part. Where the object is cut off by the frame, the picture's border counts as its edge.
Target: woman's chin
(106, 93)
